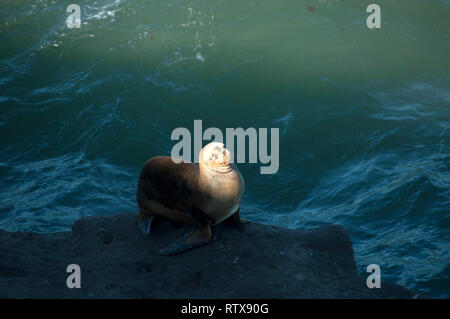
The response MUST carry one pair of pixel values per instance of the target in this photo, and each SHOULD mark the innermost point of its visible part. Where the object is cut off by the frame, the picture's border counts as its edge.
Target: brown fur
(174, 186)
(200, 195)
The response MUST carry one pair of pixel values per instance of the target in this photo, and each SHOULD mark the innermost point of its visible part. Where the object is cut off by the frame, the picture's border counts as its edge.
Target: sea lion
(200, 195)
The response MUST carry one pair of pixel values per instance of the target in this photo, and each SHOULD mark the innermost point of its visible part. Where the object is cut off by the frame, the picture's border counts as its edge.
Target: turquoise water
(363, 114)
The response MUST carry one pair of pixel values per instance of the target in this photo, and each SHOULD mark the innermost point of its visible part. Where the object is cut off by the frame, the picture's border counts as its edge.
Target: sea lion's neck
(223, 190)
(215, 179)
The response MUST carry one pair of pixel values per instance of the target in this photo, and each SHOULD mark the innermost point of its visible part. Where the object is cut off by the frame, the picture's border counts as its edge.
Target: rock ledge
(242, 261)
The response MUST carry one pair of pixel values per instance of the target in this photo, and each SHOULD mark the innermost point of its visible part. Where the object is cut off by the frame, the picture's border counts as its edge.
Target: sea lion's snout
(222, 156)
(216, 156)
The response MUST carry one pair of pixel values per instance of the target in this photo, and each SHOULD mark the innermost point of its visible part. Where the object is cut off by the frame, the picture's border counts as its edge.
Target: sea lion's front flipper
(196, 238)
(145, 224)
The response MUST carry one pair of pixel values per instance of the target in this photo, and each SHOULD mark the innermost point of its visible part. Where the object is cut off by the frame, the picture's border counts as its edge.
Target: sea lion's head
(216, 157)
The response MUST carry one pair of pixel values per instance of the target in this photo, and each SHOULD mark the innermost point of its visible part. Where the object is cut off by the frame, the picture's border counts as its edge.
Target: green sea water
(363, 114)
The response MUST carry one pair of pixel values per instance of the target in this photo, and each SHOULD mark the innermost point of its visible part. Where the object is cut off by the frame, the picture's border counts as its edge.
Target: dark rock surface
(242, 261)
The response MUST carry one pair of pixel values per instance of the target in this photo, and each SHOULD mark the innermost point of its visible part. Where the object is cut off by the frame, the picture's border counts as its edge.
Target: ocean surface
(364, 115)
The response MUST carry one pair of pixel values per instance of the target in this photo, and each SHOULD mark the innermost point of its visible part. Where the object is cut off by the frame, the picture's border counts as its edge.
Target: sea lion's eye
(210, 158)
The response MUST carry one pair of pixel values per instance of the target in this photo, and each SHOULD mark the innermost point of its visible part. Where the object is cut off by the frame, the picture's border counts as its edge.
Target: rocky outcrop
(242, 261)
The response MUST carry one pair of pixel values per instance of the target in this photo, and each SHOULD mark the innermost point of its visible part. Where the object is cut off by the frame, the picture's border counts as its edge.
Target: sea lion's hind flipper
(196, 238)
(145, 223)
(156, 208)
